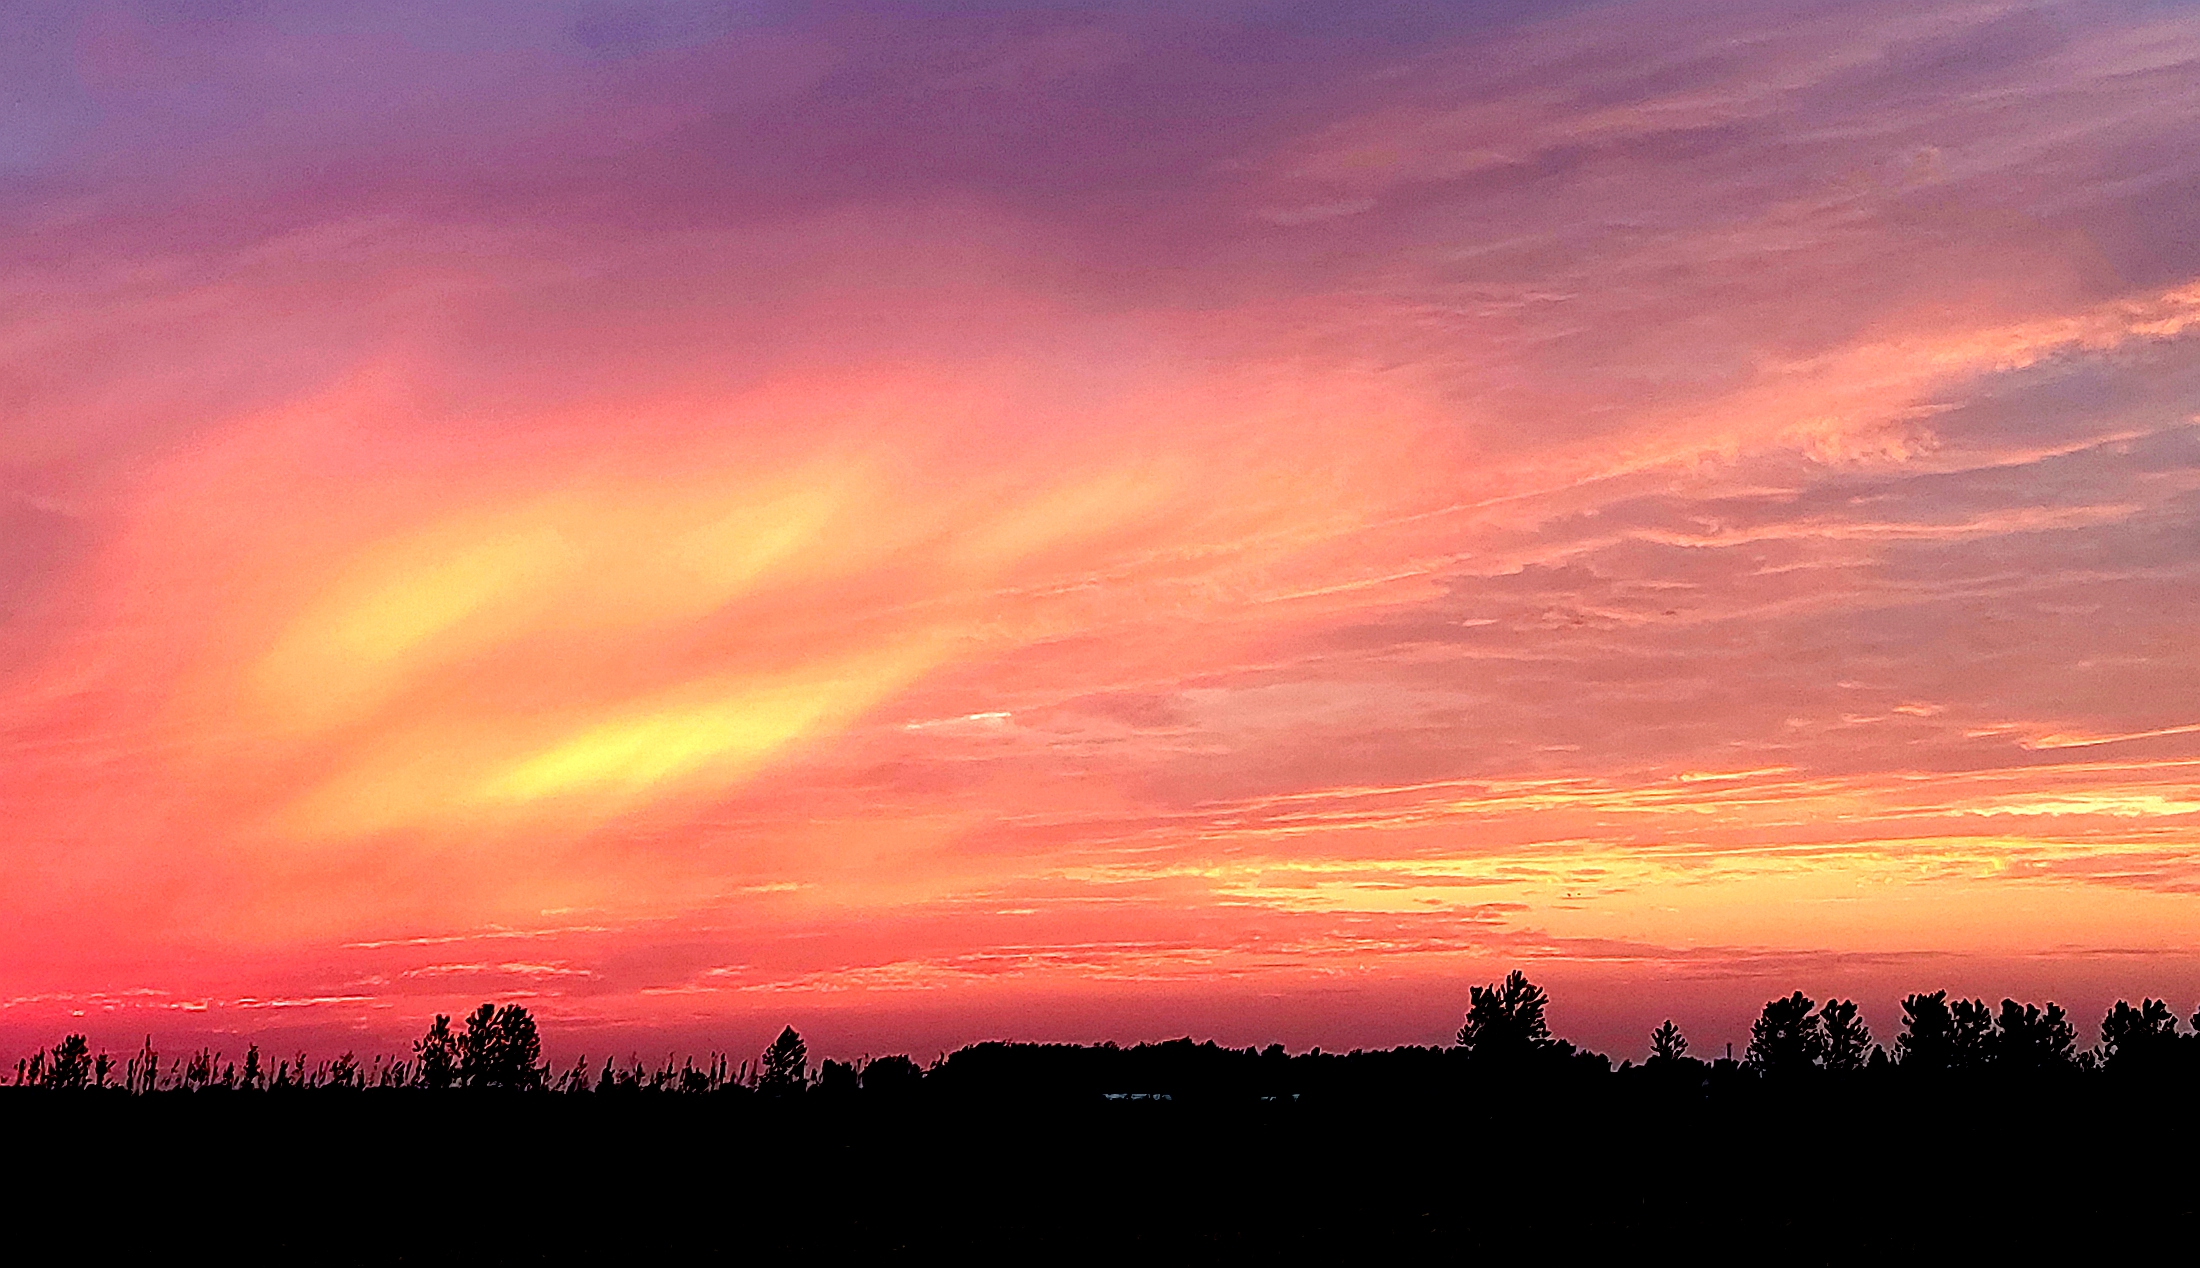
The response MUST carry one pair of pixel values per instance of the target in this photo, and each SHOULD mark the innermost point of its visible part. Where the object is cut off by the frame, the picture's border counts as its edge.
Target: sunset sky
(933, 522)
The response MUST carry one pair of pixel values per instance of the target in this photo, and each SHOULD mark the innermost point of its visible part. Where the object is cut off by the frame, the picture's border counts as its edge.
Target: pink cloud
(700, 520)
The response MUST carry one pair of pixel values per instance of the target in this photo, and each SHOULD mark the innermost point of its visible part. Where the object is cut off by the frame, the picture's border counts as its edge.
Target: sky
(931, 522)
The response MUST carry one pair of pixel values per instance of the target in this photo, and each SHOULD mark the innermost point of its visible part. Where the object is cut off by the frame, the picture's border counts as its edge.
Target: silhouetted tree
(1505, 1019)
(891, 1076)
(2029, 1040)
(838, 1078)
(476, 1047)
(1846, 1040)
(499, 1048)
(1926, 1042)
(786, 1066)
(435, 1055)
(1786, 1038)
(2138, 1039)
(1970, 1034)
(524, 1066)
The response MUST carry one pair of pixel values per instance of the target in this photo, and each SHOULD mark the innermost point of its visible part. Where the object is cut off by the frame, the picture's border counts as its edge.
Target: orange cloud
(1663, 512)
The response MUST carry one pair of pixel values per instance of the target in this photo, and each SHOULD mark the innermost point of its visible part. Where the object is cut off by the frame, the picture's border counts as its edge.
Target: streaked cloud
(685, 515)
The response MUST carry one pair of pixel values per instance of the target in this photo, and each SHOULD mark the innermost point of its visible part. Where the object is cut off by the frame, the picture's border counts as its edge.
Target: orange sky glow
(1067, 524)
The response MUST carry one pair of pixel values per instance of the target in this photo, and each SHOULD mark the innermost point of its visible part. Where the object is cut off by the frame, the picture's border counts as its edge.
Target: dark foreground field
(2085, 1173)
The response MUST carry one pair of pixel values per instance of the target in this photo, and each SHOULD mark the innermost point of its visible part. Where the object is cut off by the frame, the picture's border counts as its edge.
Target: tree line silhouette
(1971, 1131)
(1505, 1034)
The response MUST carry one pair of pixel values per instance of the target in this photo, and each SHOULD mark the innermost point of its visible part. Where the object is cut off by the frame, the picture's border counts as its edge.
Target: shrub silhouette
(71, 1066)
(1505, 1020)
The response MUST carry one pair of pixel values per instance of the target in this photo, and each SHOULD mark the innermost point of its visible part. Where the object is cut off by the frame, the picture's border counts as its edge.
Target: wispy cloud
(684, 514)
